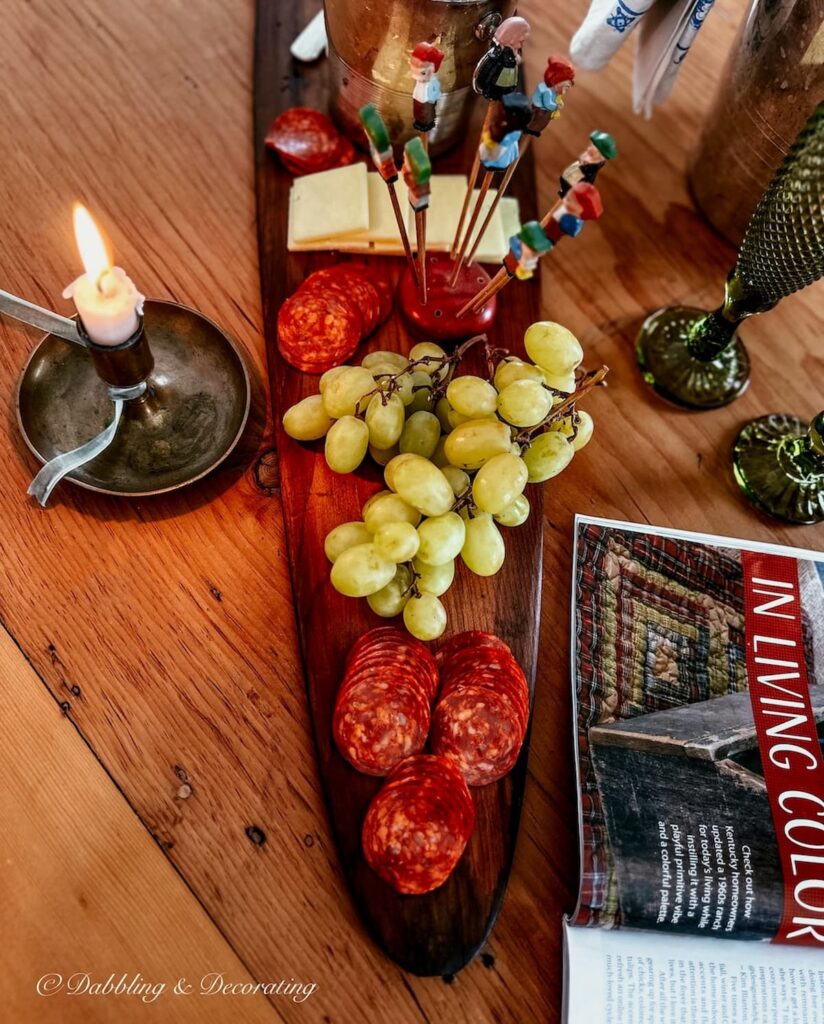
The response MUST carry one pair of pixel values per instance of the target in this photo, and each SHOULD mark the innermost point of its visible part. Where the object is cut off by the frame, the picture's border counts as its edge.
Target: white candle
(106, 299)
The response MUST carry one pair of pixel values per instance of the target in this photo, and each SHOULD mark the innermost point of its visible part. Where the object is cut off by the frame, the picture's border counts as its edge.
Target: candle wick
(99, 280)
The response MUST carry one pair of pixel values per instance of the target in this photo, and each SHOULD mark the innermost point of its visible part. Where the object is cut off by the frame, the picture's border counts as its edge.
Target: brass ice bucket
(369, 46)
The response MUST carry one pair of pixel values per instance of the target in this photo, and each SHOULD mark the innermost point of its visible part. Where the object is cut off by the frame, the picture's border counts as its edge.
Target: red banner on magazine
(787, 738)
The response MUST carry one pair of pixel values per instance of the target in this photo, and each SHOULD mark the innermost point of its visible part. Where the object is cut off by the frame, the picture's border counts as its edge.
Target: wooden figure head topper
(525, 249)
(581, 203)
(424, 63)
(497, 71)
(548, 95)
(500, 142)
(601, 148)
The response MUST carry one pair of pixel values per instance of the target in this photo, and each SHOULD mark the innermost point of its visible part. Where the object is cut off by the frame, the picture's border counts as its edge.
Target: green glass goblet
(778, 462)
(695, 359)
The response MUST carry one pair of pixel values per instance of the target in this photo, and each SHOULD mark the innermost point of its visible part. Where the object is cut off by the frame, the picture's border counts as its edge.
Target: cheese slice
(510, 212)
(383, 227)
(329, 204)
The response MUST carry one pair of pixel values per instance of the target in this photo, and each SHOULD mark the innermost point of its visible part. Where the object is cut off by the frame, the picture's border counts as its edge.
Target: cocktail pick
(424, 63)
(498, 151)
(566, 218)
(417, 172)
(383, 158)
(546, 101)
(588, 165)
(496, 74)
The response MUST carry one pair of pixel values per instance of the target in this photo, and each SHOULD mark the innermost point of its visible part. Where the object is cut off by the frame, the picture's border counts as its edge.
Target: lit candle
(106, 299)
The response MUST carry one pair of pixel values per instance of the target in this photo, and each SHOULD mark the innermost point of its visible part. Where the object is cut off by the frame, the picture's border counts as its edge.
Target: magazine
(697, 669)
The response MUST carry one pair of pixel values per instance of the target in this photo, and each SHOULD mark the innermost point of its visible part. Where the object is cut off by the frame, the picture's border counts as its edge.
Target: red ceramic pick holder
(438, 319)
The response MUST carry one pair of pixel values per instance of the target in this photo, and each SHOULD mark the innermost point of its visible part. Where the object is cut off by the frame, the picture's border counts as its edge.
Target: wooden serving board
(441, 932)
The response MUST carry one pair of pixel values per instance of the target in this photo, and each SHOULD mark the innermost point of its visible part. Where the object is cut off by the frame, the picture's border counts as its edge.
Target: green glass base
(690, 383)
(774, 481)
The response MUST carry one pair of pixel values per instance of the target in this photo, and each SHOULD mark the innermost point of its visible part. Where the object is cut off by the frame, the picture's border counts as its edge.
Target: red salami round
(480, 730)
(378, 722)
(472, 638)
(360, 291)
(418, 825)
(381, 283)
(317, 332)
(305, 138)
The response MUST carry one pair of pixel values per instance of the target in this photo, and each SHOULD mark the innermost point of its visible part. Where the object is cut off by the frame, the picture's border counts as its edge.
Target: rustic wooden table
(160, 812)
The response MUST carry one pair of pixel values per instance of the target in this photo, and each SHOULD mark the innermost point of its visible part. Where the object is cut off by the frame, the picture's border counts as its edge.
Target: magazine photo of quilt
(697, 664)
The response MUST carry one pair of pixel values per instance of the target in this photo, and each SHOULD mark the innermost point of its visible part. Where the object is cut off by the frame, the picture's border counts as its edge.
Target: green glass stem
(778, 462)
(711, 335)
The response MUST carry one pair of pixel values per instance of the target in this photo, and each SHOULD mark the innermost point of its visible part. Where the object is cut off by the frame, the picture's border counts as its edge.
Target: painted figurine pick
(417, 171)
(380, 148)
(546, 102)
(424, 63)
(498, 151)
(495, 75)
(601, 148)
(566, 218)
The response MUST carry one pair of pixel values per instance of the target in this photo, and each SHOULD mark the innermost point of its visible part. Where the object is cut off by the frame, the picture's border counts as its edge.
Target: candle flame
(90, 244)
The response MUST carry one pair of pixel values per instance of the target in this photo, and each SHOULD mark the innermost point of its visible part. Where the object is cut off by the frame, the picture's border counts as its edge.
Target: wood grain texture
(74, 855)
(167, 625)
(439, 933)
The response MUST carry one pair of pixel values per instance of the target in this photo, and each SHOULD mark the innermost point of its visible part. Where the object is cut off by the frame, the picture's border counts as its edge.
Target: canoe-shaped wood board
(439, 933)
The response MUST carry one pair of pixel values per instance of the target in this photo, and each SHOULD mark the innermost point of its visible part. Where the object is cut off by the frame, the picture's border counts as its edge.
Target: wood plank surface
(92, 895)
(166, 626)
(439, 933)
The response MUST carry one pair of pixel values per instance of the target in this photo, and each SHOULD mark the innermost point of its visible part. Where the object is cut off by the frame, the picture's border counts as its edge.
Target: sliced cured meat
(472, 638)
(317, 332)
(379, 722)
(418, 825)
(356, 288)
(383, 285)
(386, 645)
(307, 141)
(480, 730)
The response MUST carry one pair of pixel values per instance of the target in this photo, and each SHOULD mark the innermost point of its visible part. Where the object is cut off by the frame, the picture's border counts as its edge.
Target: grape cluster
(457, 453)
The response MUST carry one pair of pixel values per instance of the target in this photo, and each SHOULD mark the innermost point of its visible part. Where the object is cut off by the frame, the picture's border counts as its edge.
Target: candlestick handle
(40, 317)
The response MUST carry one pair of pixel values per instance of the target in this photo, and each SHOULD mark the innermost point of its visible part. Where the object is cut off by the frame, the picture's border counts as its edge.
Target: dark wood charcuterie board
(438, 933)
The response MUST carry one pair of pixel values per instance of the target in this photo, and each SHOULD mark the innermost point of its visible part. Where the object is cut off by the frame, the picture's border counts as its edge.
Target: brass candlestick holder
(695, 359)
(778, 462)
(151, 415)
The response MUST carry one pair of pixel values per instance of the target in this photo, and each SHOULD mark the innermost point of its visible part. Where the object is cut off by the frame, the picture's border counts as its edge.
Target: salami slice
(386, 645)
(383, 285)
(379, 722)
(317, 332)
(418, 825)
(306, 140)
(480, 730)
(472, 638)
(359, 291)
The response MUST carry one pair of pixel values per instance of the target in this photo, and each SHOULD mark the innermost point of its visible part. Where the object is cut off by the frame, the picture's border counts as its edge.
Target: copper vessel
(773, 81)
(369, 46)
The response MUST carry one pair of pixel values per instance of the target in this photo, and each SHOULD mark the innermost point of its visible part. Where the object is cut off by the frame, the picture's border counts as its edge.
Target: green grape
(584, 432)
(457, 418)
(472, 443)
(389, 508)
(389, 469)
(563, 382)
(434, 579)
(547, 456)
(329, 376)
(404, 388)
(307, 421)
(483, 551)
(425, 617)
(428, 350)
(360, 570)
(422, 400)
(421, 434)
(383, 455)
(458, 479)
(420, 484)
(391, 599)
(384, 417)
(472, 396)
(343, 393)
(439, 455)
(514, 448)
(524, 403)
(442, 411)
(371, 501)
(347, 535)
(346, 444)
(553, 347)
(515, 514)
(441, 538)
(383, 357)
(397, 542)
(511, 369)
(499, 482)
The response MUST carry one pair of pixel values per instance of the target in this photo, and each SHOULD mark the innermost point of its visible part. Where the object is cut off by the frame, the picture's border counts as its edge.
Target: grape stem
(593, 379)
(413, 590)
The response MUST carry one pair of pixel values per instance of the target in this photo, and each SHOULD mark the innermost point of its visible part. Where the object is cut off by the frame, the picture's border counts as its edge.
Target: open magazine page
(621, 977)
(697, 663)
